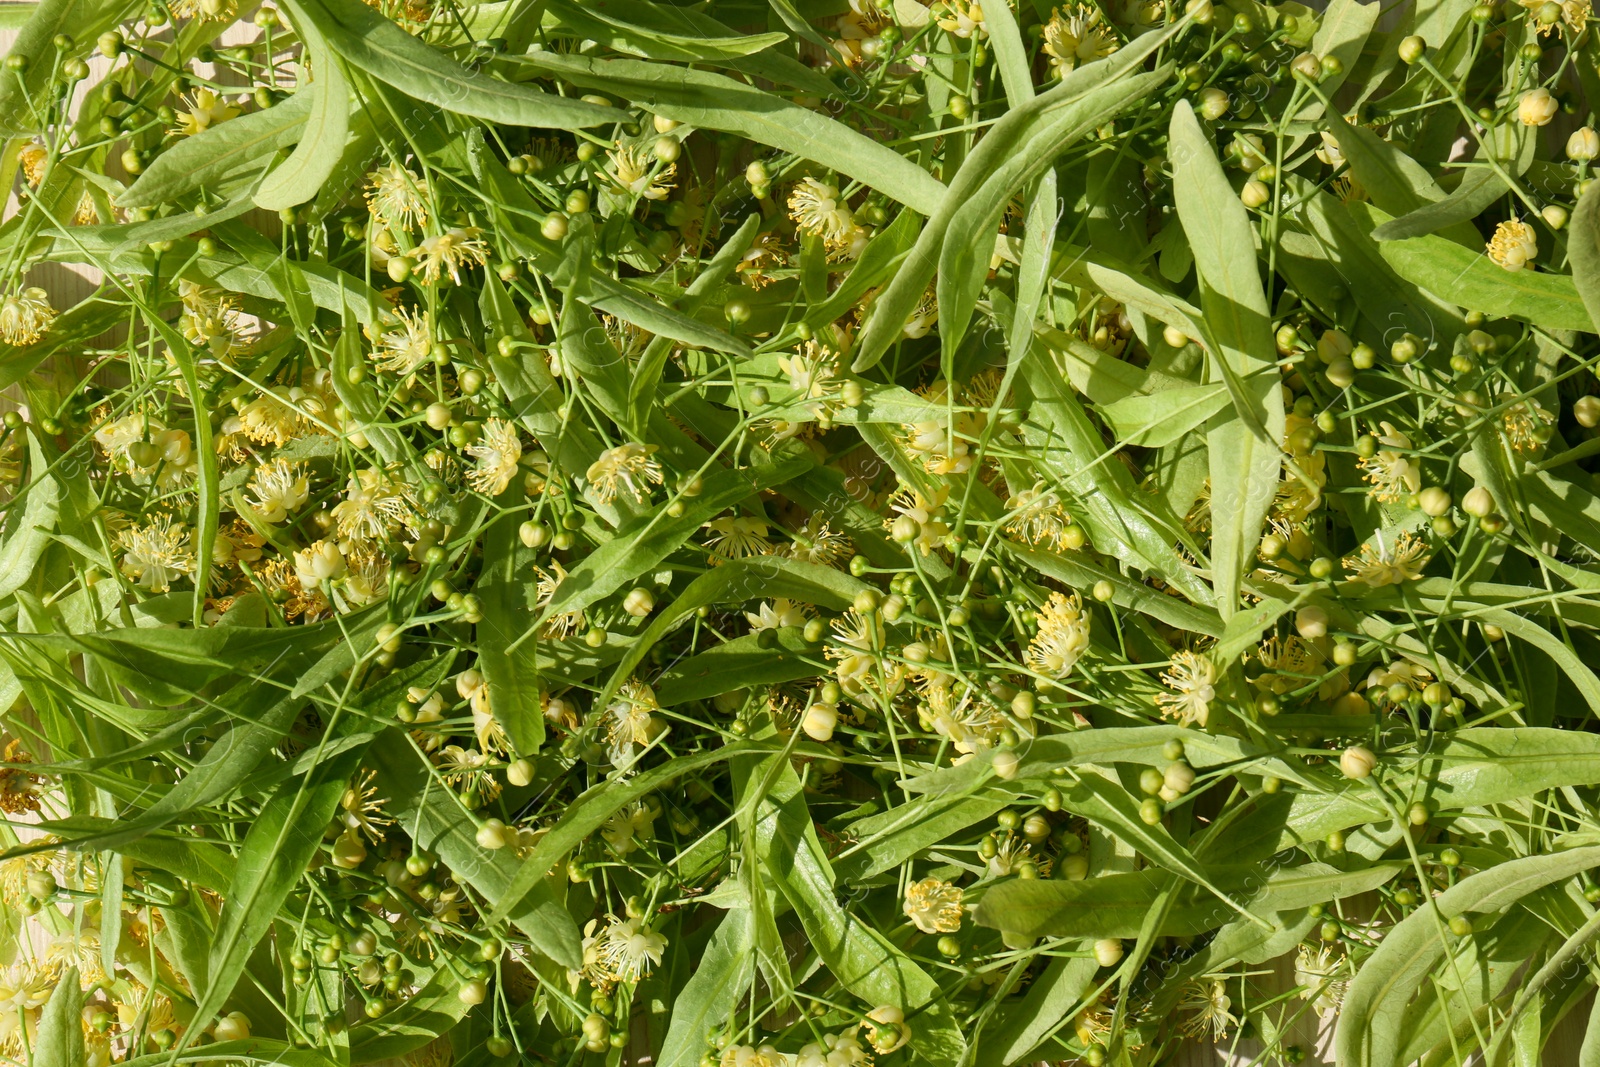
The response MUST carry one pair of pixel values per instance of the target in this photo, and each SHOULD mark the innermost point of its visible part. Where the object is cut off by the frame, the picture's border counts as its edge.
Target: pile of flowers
(805, 535)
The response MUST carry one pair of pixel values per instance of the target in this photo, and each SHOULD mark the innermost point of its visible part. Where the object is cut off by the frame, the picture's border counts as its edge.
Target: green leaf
(1479, 189)
(28, 97)
(650, 30)
(1069, 446)
(60, 1034)
(738, 664)
(894, 305)
(738, 581)
(1583, 249)
(722, 974)
(223, 154)
(589, 812)
(272, 859)
(716, 102)
(448, 830)
(1245, 450)
(1468, 278)
(858, 955)
(1027, 1024)
(27, 529)
(513, 691)
(367, 41)
(1369, 1027)
(968, 245)
(15, 15)
(1115, 905)
(297, 179)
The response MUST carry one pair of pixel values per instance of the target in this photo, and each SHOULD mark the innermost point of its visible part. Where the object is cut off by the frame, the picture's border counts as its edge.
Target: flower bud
(1537, 107)
(819, 721)
(1311, 622)
(1254, 194)
(1213, 103)
(1108, 951)
(1583, 145)
(1412, 48)
(1433, 501)
(234, 1026)
(520, 773)
(468, 682)
(1006, 764)
(639, 602)
(1477, 502)
(492, 834)
(1587, 411)
(1357, 762)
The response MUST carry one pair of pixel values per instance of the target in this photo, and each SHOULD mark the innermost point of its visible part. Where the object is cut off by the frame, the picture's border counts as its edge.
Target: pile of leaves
(798, 534)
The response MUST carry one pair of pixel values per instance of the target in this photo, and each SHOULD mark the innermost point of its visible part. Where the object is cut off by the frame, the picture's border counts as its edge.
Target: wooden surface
(69, 285)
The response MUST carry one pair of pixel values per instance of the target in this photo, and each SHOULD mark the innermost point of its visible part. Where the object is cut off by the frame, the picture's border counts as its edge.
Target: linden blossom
(555, 587)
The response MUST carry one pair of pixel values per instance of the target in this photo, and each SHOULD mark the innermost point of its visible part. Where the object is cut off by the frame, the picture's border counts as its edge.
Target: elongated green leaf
(450, 831)
(298, 178)
(739, 664)
(27, 95)
(589, 812)
(1583, 249)
(862, 959)
(716, 102)
(15, 15)
(220, 155)
(1470, 279)
(722, 975)
(1368, 1032)
(899, 298)
(368, 41)
(60, 1036)
(271, 861)
(1245, 448)
(1480, 188)
(502, 587)
(1115, 905)
(28, 527)
(968, 245)
(738, 581)
(651, 31)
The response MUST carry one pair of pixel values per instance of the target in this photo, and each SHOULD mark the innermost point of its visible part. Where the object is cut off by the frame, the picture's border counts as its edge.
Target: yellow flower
(497, 451)
(631, 172)
(397, 197)
(406, 345)
(1514, 244)
(373, 506)
(450, 253)
(279, 489)
(206, 109)
(628, 466)
(737, 536)
(962, 19)
(1392, 474)
(818, 211)
(1379, 564)
(563, 624)
(33, 156)
(1193, 679)
(1078, 38)
(934, 906)
(925, 512)
(25, 316)
(156, 554)
(1037, 517)
(1062, 638)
